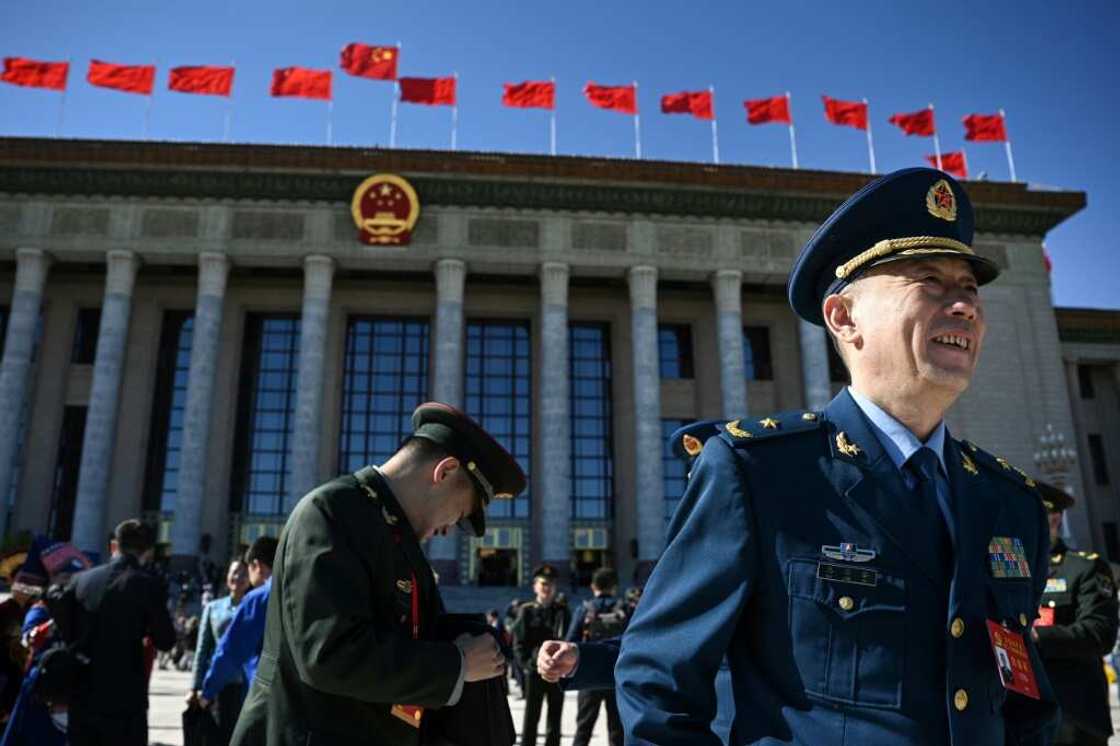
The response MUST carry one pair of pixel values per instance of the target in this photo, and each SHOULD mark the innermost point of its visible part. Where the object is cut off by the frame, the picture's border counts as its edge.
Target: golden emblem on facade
(385, 209)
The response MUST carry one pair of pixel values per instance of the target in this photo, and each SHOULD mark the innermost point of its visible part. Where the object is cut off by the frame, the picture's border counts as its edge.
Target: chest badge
(1055, 585)
(847, 551)
(1007, 558)
(404, 586)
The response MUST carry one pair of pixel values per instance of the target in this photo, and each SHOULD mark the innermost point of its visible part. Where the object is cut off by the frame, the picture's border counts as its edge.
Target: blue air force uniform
(845, 570)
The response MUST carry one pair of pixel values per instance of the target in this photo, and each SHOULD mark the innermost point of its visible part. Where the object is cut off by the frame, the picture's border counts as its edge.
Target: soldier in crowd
(599, 618)
(352, 652)
(856, 567)
(1076, 626)
(540, 620)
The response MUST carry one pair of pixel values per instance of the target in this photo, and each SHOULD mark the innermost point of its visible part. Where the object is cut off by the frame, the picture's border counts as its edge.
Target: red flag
(622, 98)
(127, 78)
(207, 79)
(953, 163)
(35, 74)
(301, 82)
(918, 123)
(379, 63)
(985, 128)
(696, 103)
(430, 91)
(530, 94)
(773, 109)
(850, 113)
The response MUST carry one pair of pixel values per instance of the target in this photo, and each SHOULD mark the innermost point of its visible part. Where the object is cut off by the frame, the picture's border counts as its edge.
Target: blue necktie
(923, 465)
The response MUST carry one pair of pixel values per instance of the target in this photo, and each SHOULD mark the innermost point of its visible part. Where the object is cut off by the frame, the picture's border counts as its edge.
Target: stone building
(194, 331)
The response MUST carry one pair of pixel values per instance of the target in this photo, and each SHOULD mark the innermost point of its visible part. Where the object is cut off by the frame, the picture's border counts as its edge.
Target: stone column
(447, 386)
(186, 526)
(727, 287)
(318, 273)
(27, 298)
(89, 532)
(814, 365)
(647, 417)
(555, 419)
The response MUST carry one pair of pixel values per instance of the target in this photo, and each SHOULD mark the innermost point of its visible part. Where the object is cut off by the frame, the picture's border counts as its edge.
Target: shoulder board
(999, 465)
(746, 431)
(1089, 555)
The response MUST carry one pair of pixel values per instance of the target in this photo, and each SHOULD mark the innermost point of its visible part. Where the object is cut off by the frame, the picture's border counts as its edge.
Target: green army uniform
(1077, 627)
(536, 624)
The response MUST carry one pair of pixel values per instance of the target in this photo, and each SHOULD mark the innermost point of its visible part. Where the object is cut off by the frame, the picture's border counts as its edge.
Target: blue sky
(1051, 66)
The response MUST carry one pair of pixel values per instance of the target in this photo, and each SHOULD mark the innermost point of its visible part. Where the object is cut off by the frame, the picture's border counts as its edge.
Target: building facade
(194, 332)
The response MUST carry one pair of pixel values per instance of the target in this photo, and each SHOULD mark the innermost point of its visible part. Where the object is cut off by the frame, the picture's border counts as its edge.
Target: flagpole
(229, 106)
(62, 103)
(1007, 145)
(148, 115)
(552, 120)
(637, 125)
(330, 121)
(964, 157)
(455, 114)
(715, 132)
(936, 140)
(393, 106)
(792, 138)
(870, 142)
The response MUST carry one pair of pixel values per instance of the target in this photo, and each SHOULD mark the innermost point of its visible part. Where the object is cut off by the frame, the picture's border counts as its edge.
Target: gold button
(956, 629)
(846, 603)
(960, 700)
(1023, 619)
(1051, 604)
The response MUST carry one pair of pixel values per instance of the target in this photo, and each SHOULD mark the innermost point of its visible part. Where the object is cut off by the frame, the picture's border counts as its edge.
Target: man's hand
(481, 657)
(203, 702)
(192, 697)
(557, 659)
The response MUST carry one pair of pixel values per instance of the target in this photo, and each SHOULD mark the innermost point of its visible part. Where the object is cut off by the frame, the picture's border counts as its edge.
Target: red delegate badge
(1012, 660)
(1045, 617)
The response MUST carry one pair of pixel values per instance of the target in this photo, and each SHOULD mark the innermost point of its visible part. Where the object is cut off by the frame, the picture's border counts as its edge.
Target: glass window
(1085, 381)
(756, 353)
(590, 401)
(85, 336)
(674, 347)
(385, 377)
(1096, 455)
(267, 402)
(64, 491)
(173, 365)
(499, 397)
(674, 470)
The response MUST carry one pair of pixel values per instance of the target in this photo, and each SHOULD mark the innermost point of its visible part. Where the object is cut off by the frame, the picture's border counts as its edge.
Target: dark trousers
(587, 712)
(537, 690)
(90, 729)
(229, 707)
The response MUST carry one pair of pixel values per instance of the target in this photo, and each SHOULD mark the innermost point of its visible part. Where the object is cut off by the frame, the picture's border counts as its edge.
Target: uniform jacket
(118, 604)
(822, 662)
(216, 618)
(1083, 598)
(534, 626)
(339, 649)
(239, 647)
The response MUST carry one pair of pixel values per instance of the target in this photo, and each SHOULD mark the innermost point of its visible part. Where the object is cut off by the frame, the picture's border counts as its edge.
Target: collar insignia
(848, 552)
(969, 465)
(845, 447)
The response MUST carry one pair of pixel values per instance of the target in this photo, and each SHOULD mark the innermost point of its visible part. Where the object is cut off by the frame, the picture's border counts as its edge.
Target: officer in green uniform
(352, 648)
(1076, 627)
(542, 619)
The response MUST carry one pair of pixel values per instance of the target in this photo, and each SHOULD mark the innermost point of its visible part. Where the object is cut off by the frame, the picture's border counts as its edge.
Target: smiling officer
(858, 567)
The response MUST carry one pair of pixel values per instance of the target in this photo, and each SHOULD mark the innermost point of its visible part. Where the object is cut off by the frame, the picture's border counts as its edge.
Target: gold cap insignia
(734, 429)
(692, 445)
(941, 202)
(769, 423)
(845, 447)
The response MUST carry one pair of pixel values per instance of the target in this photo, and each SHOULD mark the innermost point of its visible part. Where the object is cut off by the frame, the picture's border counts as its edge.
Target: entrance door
(587, 562)
(497, 566)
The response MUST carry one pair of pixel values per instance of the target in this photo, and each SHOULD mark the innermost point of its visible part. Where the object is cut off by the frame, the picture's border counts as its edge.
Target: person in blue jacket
(240, 646)
(854, 565)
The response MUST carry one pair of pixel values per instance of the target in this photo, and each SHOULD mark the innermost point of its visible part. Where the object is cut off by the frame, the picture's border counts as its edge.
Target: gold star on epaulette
(769, 423)
(809, 416)
(968, 465)
(734, 429)
(1003, 462)
(389, 517)
(845, 447)
(1026, 477)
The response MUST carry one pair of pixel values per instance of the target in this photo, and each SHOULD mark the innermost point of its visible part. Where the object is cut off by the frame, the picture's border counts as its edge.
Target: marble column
(318, 274)
(89, 532)
(186, 527)
(447, 386)
(647, 417)
(555, 419)
(727, 287)
(15, 369)
(814, 365)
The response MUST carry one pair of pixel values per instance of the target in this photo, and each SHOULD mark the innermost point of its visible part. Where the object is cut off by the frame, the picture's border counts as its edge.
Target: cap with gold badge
(1054, 499)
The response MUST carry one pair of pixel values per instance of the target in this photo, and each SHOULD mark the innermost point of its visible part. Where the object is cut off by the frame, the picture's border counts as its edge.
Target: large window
(590, 381)
(1098, 459)
(674, 348)
(64, 491)
(1085, 381)
(385, 379)
(756, 354)
(674, 470)
(172, 370)
(267, 402)
(85, 336)
(499, 396)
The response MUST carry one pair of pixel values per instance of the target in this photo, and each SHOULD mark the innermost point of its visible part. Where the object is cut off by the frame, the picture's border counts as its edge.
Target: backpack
(600, 624)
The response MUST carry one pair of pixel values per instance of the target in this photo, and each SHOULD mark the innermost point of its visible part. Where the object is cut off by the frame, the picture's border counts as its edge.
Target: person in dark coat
(599, 618)
(352, 649)
(111, 609)
(538, 621)
(1076, 628)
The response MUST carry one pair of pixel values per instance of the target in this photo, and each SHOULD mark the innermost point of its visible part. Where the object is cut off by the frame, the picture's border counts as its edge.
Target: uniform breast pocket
(849, 640)
(1011, 602)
